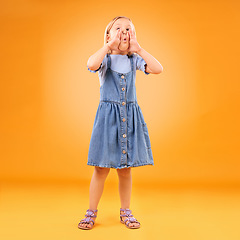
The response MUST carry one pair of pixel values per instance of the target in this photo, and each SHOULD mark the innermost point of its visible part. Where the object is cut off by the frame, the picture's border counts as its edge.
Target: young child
(120, 136)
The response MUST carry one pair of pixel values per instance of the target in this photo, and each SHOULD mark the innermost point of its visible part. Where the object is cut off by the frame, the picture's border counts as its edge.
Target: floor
(43, 210)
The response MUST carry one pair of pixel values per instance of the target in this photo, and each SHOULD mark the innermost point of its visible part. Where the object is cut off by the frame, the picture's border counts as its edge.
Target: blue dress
(120, 136)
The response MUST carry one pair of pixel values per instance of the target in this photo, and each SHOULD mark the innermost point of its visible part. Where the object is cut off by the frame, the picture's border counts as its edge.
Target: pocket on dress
(146, 135)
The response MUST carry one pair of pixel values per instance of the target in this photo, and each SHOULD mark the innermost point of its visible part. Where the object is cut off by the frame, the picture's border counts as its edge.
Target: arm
(153, 66)
(96, 59)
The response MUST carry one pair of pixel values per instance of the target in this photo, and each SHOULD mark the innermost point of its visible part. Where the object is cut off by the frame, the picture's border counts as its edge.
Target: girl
(120, 136)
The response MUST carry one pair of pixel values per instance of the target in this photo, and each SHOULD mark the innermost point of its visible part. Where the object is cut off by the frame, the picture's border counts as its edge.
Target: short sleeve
(140, 64)
(102, 66)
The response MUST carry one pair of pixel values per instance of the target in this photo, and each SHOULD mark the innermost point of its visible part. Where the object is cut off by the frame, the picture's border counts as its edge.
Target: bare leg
(125, 186)
(125, 189)
(96, 188)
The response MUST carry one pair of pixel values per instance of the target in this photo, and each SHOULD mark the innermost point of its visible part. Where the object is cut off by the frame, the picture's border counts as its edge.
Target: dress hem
(125, 166)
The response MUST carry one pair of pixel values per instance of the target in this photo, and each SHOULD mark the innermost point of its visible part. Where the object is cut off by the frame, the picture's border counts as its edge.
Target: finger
(131, 33)
(129, 36)
(116, 35)
(119, 33)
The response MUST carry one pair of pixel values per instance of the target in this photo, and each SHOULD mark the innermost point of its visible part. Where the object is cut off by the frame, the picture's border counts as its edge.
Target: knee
(124, 172)
(102, 172)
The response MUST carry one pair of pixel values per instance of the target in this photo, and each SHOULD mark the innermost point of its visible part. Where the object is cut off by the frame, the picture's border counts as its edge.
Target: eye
(127, 29)
(118, 28)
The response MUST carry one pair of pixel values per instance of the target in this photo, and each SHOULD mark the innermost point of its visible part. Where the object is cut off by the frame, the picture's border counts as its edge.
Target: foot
(88, 222)
(131, 222)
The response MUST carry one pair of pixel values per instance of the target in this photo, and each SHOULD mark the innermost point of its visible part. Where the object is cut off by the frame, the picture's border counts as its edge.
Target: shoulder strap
(131, 58)
(108, 61)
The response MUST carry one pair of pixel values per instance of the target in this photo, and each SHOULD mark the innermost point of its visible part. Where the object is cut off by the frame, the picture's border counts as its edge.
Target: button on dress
(120, 137)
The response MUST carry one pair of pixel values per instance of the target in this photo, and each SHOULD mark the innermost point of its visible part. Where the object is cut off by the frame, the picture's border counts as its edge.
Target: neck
(115, 52)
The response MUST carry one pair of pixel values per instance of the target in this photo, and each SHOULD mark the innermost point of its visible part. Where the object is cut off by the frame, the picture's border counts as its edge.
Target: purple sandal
(88, 220)
(129, 219)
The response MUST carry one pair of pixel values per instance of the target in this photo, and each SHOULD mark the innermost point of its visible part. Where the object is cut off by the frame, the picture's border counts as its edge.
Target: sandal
(88, 220)
(129, 219)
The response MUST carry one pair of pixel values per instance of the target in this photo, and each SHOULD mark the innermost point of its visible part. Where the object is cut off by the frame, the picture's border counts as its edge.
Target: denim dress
(120, 137)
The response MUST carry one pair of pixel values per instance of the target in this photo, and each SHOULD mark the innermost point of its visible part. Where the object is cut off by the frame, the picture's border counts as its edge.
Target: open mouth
(124, 38)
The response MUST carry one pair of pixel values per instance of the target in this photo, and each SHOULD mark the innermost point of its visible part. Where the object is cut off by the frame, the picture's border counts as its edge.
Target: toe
(89, 226)
(135, 224)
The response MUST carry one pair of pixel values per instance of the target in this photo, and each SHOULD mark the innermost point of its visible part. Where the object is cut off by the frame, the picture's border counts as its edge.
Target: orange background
(49, 98)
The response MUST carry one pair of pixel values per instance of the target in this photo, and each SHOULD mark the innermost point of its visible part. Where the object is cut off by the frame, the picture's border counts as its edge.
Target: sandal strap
(131, 220)
(88, 221)
(128, 214)
(89, 215)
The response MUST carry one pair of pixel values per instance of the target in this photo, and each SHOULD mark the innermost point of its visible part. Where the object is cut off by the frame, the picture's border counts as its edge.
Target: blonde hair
(109, 26)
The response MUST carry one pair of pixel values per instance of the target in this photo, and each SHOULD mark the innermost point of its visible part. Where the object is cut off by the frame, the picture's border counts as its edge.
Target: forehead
(122, 21)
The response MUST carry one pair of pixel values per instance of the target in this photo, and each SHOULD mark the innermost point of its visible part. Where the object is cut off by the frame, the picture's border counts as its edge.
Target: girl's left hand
(133, 44)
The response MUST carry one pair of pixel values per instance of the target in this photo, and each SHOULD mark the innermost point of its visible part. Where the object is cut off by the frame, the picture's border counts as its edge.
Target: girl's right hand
(114, 43)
